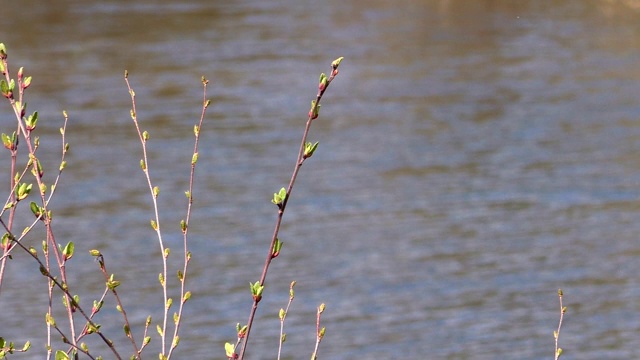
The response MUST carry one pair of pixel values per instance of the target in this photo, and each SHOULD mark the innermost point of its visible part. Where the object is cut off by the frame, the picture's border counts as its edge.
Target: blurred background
(474, 157)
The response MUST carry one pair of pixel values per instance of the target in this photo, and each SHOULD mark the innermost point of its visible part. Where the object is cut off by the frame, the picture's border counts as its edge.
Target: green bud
(31, 121)
(256, 291)
(322, 83)
(67, 253)
(314, 111)
(50, 320)
(337, 62)
(279, 197)
(27, 82)
(309, 149)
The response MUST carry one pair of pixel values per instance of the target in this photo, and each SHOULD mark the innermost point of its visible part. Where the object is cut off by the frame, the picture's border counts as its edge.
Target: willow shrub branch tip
(280, 199)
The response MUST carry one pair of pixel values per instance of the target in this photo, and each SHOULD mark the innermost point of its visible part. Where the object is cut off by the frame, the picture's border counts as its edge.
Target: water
(474, 158)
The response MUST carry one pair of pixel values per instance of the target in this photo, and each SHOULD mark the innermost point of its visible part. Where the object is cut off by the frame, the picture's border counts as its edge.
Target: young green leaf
(67, 253)
(230, 350)
(61, 355)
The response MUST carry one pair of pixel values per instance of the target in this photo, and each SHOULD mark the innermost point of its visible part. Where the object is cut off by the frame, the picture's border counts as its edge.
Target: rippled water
(474, 157)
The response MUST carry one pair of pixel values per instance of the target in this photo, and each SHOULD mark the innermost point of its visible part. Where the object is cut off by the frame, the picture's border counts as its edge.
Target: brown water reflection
(474, 157)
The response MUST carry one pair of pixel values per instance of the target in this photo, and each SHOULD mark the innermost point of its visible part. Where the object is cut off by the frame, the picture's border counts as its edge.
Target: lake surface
(474, 157)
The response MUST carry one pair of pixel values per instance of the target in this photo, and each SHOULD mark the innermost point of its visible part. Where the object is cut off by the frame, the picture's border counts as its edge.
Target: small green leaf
(93, 328)
(194, 158)
(6, 89)
(31, 121)
(256, 290)
(7, 141)
(97, 305)
(27, 82)
(186, 297)
(67, 253)
(230, 350)
(169, 303)
(279, 197)
(61, 355)
(309, 149)
(94, 252)
(26, 346)
(112, 283)
(276, 247)
(159, 330)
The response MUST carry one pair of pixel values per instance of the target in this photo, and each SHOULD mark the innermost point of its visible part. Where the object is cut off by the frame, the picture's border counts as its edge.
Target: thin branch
(313, 114)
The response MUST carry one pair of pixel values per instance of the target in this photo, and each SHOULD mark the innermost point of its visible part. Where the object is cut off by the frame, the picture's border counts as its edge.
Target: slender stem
(185, 231)
(145, 169)
(299, 161)
(557, 332)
